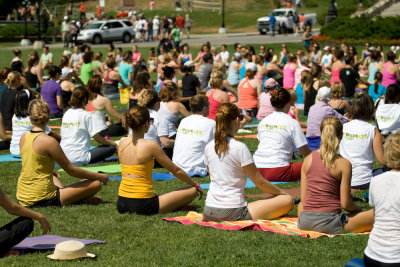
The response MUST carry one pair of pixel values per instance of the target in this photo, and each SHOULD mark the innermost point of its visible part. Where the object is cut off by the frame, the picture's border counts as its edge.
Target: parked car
(263, 22)
(107, 31)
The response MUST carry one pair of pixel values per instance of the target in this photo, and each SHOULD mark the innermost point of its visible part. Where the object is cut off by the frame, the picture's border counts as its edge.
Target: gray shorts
(324, 222)
(221, 214)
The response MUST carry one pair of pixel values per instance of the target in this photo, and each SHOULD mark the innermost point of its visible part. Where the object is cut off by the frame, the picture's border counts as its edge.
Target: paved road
(215, 39)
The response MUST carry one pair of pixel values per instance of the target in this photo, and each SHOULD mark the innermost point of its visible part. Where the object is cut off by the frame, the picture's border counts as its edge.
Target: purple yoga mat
(46, 242)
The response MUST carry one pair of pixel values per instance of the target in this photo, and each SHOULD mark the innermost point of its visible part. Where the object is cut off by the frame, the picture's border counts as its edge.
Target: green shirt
(86, 72)
(176, 35)
(45, 58)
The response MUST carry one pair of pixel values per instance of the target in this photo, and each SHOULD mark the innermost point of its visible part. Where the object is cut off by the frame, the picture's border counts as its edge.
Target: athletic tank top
(387, 77)
(288, 76)
(323, 190)
(142, 185)
(109, 80)
(86, 72)
(214, 105)
(335, 76)
(31, 79)
(233, 74)
(242, 70)
(35, 182)
(247, 95)
(372, 70)
(171, 118)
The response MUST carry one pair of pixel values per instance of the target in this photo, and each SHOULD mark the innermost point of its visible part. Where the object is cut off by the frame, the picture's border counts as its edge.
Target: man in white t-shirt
(326, 58)
(156, 26)
(193, 134)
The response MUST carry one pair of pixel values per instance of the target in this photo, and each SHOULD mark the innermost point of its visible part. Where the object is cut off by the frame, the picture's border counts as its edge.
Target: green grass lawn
(149, 241)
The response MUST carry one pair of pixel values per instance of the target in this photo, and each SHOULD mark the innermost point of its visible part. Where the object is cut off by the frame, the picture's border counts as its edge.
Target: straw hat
(70, 250)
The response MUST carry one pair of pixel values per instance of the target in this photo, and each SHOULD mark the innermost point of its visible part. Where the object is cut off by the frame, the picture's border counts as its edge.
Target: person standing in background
(65, 32)
(272, 23)
(188, 23)
(151, 4)
(156, 27)
(181, 24)
(149, 28)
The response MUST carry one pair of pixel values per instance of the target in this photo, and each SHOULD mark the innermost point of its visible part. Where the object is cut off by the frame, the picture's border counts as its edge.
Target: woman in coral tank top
(216, 96)
(249, 90)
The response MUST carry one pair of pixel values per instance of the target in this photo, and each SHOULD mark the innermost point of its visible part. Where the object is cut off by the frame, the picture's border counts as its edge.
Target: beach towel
(283, 226)
(46, 242)
(249, 184)
(157, 176)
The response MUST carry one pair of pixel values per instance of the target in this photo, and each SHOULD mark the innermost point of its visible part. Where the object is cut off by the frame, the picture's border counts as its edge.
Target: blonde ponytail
(331, 133)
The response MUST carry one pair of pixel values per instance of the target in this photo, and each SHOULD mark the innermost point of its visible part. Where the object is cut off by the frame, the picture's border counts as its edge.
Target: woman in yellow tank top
(36, 184)
(136, 156)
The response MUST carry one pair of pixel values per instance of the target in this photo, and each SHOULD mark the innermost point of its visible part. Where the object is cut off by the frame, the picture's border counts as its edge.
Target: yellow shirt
(35, 182)
(140, 182)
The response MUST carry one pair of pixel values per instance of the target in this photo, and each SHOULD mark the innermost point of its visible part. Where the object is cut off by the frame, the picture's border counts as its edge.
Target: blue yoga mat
(157, 176)
(249, 184)
(8, 158)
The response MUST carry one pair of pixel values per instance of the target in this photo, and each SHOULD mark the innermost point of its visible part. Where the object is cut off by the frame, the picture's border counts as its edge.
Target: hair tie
(28, 93)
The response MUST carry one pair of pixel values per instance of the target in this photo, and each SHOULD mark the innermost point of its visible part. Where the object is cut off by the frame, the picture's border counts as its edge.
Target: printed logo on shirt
(270, 127)
(71, 124)
(190, 131)
(22, 123)
(351, 137)
(384, 118)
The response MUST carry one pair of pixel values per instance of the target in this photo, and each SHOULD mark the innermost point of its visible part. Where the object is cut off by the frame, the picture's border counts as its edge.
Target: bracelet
(197, 185)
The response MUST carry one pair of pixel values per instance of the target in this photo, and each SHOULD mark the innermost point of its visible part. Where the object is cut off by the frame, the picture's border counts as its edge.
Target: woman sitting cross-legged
(136, 156)
(229, 163)
(98, 107)
(37, 187)
(279, 134)
(384, 240)
(325, 188)
(77, 127)
(362, 142)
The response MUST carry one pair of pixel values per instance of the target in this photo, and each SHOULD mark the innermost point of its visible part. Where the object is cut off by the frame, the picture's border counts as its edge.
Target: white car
(263, 22)
(107, 31)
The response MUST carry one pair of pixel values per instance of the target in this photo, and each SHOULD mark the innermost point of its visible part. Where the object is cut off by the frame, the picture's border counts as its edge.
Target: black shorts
(52, 202)
(142, 206)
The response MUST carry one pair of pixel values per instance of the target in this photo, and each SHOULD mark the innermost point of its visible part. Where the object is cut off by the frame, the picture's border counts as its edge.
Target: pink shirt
(297, 74)
(288, 76)
(136, 56)
(387, 77)
(265, 106)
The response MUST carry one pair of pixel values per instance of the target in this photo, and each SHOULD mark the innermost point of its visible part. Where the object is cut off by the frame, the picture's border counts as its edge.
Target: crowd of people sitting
(340, 111)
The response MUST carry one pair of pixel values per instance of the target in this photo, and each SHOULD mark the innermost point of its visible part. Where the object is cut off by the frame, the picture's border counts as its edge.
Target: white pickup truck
(263, 22)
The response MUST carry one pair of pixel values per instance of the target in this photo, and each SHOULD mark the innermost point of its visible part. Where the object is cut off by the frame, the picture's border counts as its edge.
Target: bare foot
(94, 200)
(11, 253)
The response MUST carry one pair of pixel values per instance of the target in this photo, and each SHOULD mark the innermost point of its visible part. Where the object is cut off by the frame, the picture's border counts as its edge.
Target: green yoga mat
(114, 168)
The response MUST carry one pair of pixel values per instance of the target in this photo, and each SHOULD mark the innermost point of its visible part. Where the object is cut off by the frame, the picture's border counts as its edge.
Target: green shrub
(311, 3)
(111, 14)
(14, 30)
(363, 27)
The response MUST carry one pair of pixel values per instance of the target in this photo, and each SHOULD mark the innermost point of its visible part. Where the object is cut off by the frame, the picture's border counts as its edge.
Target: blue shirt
(124, 70)
(272, 20)
(381, 91)
(299, 93)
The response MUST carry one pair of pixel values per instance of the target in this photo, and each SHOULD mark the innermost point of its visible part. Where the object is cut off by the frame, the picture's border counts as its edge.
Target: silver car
(107, 31)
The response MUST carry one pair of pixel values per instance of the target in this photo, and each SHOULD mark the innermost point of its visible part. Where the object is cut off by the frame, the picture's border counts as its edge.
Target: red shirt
(82, 8)
(181, 22)
(98, 11)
